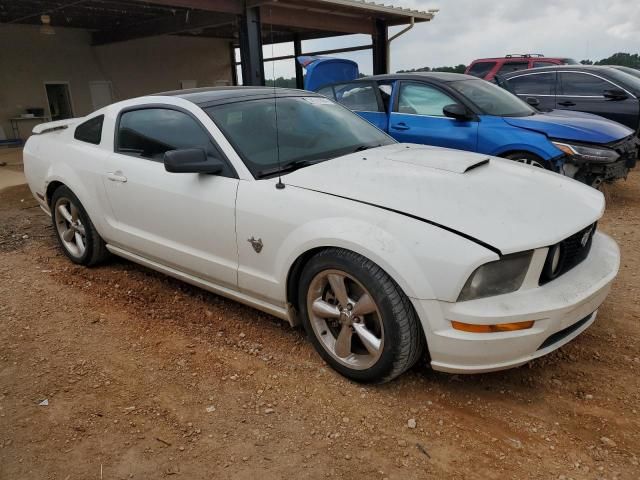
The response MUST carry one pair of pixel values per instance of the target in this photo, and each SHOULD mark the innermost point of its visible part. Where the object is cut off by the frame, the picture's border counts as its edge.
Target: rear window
(481, 69)
(90, 131)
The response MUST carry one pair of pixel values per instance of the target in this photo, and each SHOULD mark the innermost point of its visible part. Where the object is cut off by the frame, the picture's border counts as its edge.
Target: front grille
(573, 250)
(628, 149)
(556, 337)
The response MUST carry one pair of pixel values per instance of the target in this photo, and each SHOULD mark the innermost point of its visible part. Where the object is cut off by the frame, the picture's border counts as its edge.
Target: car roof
(209, 96)
(577, 68)
(443, 77)
(517, 57)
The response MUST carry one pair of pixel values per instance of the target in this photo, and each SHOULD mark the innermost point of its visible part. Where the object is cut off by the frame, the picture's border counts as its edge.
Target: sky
(464, 30)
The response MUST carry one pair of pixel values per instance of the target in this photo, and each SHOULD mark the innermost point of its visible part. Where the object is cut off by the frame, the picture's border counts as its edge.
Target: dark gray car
(608, 91)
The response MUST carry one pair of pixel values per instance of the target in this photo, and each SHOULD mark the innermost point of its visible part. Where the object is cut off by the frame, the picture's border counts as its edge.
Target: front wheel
(529, 159)
(357, 318)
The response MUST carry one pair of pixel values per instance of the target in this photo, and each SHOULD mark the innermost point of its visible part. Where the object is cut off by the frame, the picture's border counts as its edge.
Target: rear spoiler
(58, 125)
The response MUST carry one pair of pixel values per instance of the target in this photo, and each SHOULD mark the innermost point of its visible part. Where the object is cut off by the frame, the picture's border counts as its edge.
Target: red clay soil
(147, 378)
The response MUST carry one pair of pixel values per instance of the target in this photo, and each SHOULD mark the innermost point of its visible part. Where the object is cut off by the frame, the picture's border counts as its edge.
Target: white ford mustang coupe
(286, 201)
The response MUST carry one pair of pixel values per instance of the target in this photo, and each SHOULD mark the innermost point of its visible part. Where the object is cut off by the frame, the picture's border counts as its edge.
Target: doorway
(101, 94)
(59, 100)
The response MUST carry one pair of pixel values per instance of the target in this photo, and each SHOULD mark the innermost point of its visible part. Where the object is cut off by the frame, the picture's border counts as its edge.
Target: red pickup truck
(488, 68)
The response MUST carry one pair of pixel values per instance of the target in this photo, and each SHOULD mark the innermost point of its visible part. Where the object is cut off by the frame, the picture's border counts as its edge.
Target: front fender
(369, 240)
(497, 138)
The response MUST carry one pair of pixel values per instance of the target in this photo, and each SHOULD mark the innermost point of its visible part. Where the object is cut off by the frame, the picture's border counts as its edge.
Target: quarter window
(359, 96)
(90, 131)
(513, 67)
(151, 132)
(481, 69)
(420, 99)
(534, 84)
(543, 64)
(581, 84)
(327, 92)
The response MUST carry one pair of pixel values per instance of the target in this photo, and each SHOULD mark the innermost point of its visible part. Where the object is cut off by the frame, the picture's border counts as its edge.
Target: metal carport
(241, 22)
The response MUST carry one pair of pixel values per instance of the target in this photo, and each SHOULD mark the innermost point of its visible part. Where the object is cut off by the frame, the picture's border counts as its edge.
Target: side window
(509, 67)
(327, 92)
(421, 99)
(151, 132)
(90, 131)
(583, 85)
(358, 96)
(543, 64)
(481, 69)
(534, 84)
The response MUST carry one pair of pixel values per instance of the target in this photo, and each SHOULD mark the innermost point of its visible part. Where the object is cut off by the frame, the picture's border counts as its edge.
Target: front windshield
(491, 99)
(308, 129)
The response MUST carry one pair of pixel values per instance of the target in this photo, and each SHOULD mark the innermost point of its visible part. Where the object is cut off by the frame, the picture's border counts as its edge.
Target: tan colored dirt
(149, 378)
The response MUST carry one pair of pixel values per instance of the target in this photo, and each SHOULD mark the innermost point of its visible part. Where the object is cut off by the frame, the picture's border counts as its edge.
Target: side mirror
(533, 101)
(457, 111)
(615, 94)
(191, 160)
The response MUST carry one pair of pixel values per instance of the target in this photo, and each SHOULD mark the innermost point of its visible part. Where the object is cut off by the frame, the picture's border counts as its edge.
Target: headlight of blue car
(584, 154)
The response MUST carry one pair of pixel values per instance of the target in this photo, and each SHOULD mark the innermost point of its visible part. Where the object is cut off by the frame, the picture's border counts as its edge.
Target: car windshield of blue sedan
(299, 132)
(491, 99)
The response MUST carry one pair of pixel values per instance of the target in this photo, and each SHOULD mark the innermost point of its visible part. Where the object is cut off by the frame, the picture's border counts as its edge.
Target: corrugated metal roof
(381, 8)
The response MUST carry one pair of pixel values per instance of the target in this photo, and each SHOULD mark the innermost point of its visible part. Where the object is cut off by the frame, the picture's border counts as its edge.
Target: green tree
(622, 59)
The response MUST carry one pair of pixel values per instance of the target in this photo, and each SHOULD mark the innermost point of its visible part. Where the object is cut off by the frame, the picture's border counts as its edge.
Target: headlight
(495, 278)
(582, 154)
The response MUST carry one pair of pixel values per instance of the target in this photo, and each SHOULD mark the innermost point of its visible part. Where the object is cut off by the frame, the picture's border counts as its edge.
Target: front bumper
(562, 309)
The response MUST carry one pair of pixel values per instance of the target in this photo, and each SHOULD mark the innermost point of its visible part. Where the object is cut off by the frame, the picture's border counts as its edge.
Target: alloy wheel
(345, 319)
(70, 228)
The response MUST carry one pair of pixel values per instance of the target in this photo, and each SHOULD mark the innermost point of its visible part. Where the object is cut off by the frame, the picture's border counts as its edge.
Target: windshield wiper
(362, 148)
(287, 168)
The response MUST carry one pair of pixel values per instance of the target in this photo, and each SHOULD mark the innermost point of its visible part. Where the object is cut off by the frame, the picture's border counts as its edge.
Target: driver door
(181, 220)
(418, 118)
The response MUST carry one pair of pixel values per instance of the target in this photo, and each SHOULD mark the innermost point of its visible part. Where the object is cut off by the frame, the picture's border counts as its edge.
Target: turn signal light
(501, 327)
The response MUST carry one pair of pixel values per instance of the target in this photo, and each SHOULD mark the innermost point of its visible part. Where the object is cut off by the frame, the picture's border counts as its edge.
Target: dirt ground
(146, 378)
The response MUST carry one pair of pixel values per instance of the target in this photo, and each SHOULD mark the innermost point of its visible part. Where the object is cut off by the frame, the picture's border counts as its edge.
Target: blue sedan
(467, 113)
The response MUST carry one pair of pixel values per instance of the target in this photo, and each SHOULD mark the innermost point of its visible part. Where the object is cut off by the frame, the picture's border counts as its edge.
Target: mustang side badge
(256, 244)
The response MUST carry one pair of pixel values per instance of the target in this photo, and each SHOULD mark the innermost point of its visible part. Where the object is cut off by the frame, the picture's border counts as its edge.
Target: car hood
(576, 126)
(508, 206)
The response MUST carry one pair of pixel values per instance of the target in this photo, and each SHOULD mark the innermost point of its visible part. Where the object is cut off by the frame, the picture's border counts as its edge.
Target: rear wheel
(76, 234)
(357, 317)
(529, 159)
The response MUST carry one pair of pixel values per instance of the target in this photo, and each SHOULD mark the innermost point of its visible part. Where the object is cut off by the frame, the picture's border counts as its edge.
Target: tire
(75, 232)
(529, 159)
(377, 314)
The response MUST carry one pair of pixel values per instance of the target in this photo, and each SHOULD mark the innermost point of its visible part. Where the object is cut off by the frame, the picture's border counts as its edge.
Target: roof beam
(297, 18)
(225, 6)
(179, 23)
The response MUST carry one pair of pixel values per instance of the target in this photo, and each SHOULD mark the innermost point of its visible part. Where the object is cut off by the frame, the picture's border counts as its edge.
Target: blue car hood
(576, 126)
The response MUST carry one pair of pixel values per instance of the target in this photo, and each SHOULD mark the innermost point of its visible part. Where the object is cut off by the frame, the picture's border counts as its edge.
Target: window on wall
(90, 131)
(151, 132)
(422, 99)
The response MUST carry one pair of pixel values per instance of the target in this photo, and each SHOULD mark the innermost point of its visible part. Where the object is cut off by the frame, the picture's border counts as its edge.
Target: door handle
(400, 126)
(117, 177)
(567, 104)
